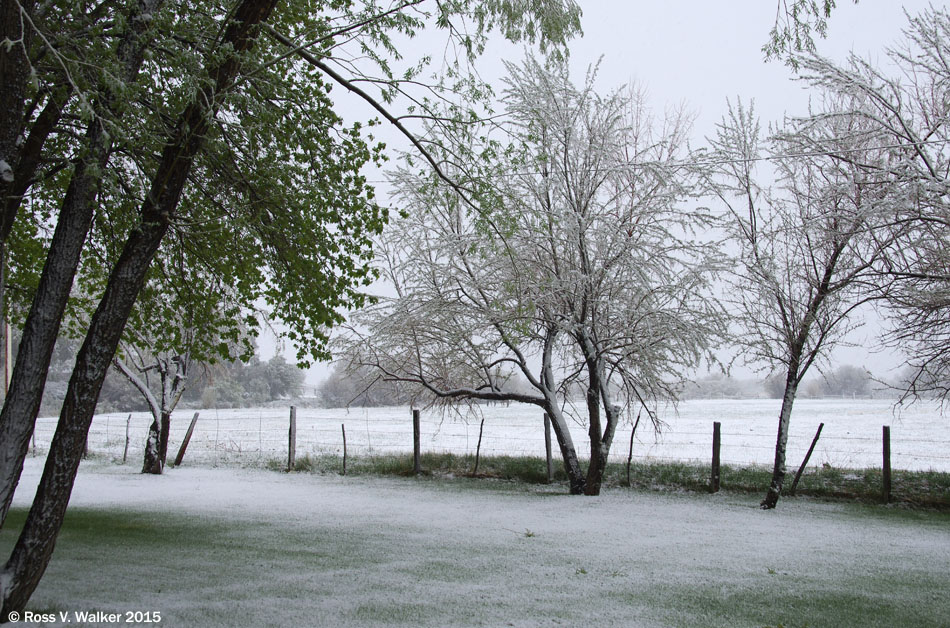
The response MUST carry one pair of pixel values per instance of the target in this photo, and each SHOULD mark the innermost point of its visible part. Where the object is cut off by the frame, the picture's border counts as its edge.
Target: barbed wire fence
(256, 436)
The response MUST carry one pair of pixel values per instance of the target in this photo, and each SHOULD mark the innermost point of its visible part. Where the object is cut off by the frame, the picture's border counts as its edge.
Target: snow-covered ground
(852, 435)
(262, 548)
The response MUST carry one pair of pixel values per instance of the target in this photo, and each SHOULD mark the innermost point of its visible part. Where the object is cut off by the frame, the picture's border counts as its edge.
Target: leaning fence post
(887, 464)
(478, 448)
(547, 446)
(630, 452)
(801, 469)
(343, 428)
(292, 439)
(184, 443)
(717, 441)
(416, 443)
(125, 452)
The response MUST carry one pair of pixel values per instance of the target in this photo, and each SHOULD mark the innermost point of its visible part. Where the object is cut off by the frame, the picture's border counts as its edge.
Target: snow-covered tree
(908, 102)
(579, 267)
(805, 244)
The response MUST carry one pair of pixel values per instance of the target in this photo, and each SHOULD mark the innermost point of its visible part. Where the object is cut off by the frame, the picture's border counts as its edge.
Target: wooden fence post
(184, 443)
(887, 464)
(343, 428)
(717, 441)
(478, 448)
(125, 452)
(630, 452)
(292, 440)
(801, 469)
(547, 447)
(416, 443)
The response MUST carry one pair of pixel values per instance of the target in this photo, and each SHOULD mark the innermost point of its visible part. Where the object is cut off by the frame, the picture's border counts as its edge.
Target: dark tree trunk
(598, 461)
(153, 460)
(572, 466)
(34, 547)
(575, 476)
(781, 442)
(30, 157)
(601, 435)
(595, 472)
(14, 73)
(163, 436)
(41, 329)
(18, 416)
(156, 447)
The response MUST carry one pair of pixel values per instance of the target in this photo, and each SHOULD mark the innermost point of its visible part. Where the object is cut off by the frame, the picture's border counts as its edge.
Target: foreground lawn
(226, 547)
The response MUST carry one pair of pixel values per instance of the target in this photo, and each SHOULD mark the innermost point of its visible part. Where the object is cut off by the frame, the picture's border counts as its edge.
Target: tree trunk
(34, 547)
(781, 442)
(163, 435)
(598, 460)
(601, 436)
(30, 155)
(14, 73)
(595, 471)
(18, 416)
(572, 466)
(153, 459)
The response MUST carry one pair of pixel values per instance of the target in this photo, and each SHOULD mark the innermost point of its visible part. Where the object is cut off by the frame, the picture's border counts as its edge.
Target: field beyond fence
(851, 438)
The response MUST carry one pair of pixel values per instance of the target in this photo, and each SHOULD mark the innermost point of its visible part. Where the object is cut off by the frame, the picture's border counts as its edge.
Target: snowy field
(852, 435)
(247, 547)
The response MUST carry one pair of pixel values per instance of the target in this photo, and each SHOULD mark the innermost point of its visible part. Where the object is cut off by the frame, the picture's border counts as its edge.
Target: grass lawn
(227, 547)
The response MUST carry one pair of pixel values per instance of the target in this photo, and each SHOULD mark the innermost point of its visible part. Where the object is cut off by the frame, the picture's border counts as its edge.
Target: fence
(920, 436)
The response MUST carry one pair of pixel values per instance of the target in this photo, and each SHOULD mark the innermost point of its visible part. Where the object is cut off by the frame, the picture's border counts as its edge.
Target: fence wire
(920, 436)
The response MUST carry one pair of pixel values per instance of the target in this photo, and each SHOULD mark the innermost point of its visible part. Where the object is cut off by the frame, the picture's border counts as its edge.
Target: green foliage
(276, 213)
(795, 22)
(253, 383)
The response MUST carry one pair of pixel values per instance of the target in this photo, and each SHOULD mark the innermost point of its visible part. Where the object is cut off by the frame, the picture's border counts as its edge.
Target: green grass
(928, 489)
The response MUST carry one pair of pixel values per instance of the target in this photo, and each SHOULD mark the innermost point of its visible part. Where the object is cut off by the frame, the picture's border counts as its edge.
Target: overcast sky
(699, 54)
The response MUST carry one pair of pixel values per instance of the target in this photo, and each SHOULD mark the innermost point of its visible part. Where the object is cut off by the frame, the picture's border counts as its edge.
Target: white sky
(699, 54)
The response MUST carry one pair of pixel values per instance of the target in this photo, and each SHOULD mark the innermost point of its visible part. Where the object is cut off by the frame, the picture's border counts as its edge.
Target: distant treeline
(366, 389)
(222, 385)
(843, 381)
(260, 383)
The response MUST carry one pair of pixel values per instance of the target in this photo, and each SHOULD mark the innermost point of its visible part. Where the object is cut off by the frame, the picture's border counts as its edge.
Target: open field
(228, 546)
(920, 435)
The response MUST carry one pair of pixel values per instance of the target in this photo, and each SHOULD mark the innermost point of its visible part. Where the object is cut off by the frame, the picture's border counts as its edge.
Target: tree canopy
(574, 263)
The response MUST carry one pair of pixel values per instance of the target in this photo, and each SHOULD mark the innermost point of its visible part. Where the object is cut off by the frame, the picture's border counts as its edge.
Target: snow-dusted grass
(226, 547)
(920, 488)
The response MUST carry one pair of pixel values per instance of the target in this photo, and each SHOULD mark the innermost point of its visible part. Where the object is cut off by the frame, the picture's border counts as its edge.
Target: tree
(910, 109)
(178, 324)
(847, 381)
(578, 268)
(363, 387)
(805, 245)
(49, 300)
(795, 21)
(225, 147)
